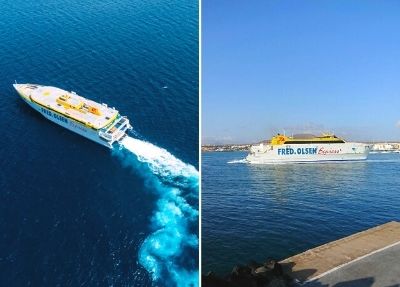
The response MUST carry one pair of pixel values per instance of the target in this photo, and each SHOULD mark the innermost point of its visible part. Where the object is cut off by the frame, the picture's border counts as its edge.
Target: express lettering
(329, 151)
(77, 126)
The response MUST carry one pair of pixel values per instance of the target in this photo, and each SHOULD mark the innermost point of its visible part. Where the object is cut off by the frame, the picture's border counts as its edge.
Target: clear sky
(300, 66)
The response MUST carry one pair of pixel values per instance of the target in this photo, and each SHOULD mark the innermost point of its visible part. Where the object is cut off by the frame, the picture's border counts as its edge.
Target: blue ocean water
(73, 213)
(255, 212)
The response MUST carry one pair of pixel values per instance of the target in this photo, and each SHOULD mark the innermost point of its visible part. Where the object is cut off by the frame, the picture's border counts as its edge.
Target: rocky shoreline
(268, 274)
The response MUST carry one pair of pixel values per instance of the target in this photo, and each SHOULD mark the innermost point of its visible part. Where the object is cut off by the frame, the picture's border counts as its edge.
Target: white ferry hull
(67, 123)
(267, 154)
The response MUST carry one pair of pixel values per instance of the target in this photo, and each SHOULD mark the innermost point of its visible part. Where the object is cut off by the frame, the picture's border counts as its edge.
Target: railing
(261, 148)
(116, 130)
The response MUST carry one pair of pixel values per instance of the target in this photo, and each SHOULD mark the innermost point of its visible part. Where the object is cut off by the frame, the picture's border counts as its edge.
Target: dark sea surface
(71, 214)
(255, 212)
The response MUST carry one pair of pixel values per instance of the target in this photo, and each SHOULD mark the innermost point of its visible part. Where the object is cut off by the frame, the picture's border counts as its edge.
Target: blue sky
(300, 66)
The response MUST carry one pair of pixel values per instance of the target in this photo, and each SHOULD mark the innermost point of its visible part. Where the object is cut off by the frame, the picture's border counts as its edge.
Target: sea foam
(170, 252)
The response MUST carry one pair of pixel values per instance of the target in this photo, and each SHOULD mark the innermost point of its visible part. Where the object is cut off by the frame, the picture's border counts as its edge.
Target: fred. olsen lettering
(289, 151)
(60, 118)
(56, 116)
(45, 111)
(285, 151)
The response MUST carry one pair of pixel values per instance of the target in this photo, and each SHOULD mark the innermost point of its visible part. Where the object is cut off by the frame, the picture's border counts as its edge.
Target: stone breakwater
(313, 266)
(268, 274)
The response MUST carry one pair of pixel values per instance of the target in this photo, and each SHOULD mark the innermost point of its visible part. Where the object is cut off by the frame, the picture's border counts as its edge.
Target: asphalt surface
(381, 269)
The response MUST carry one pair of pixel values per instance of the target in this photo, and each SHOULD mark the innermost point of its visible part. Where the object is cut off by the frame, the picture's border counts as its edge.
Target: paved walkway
(380, 269)
(318, 261)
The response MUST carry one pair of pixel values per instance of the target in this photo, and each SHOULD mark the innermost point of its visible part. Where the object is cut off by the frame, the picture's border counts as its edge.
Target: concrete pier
(368, 258)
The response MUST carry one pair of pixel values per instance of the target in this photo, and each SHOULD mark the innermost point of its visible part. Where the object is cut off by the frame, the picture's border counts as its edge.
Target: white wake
(174, 219)
(238, 161)
(160, 161)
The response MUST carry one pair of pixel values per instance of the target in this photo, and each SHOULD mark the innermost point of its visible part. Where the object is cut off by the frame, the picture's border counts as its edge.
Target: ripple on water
(250, 212)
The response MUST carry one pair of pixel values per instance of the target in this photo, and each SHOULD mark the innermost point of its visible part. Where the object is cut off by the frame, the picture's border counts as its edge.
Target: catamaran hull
(67, 123)
(267, 154)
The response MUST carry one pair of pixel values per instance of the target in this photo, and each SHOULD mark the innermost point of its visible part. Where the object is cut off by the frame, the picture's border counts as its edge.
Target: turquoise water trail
(174, 220)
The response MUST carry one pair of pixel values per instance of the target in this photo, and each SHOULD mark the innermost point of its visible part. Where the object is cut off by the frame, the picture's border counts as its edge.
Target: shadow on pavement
(363, 282)
(274, 274)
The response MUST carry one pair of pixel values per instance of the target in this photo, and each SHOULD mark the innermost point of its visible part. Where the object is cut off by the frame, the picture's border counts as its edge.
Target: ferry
(310, 148)
(95, 121)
